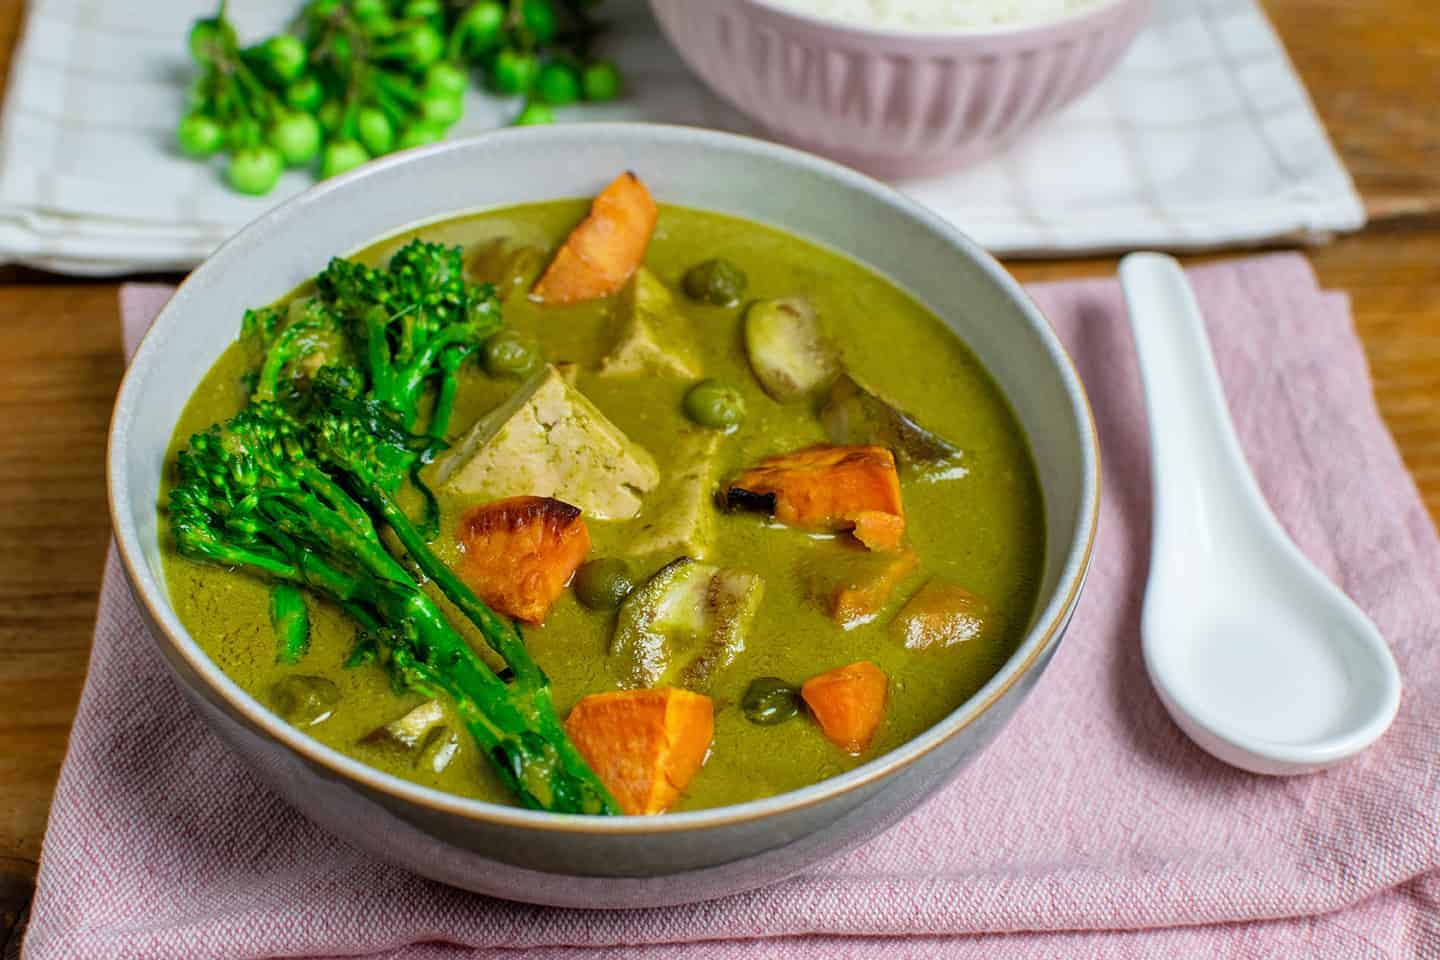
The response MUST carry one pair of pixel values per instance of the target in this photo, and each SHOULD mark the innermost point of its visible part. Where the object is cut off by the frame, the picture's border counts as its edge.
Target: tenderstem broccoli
(406, 327)
(287, 490)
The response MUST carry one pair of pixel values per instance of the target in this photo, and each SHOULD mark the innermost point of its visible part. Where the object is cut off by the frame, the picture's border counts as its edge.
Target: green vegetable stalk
(296, 488)
(291, 622)
(285, 492)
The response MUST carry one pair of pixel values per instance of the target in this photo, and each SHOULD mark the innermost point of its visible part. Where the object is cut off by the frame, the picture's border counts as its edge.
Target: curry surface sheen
(983, 530)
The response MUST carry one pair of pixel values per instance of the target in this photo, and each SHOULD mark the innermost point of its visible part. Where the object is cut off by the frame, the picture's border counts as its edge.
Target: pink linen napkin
(1091, 828)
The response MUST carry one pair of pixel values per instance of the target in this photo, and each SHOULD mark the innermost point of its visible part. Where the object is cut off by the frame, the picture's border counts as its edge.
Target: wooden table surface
(1372, 69)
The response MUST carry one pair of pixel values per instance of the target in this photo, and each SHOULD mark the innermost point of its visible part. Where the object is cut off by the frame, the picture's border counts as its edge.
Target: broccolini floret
(287, 491)
(405, 327)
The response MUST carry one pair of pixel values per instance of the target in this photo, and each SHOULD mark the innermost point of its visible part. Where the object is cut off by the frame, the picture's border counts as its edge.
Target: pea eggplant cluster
(351, 80)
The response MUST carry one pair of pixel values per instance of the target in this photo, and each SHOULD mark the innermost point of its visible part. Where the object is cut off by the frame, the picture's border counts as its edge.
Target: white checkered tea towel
(1204, 136)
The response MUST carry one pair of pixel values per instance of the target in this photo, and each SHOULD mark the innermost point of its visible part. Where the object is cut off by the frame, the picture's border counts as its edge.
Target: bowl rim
(164, 626)
(902, 33)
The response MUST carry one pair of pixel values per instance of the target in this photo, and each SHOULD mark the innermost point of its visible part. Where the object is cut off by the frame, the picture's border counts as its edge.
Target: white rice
(936, 14)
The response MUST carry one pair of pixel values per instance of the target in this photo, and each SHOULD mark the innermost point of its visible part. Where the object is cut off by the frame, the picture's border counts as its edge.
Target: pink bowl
(895, 102)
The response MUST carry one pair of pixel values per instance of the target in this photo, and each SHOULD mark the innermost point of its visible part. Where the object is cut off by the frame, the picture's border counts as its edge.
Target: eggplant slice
(684, 625)
(789, 353)
(855, 414)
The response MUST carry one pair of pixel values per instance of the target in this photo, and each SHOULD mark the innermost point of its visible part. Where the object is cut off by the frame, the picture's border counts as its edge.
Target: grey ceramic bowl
(624, 861)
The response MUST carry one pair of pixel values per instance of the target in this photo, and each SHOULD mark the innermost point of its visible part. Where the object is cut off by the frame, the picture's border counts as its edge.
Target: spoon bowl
(1259, 658)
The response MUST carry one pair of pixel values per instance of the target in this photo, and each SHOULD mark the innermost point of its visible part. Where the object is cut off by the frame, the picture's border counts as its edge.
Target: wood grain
(1371, 68)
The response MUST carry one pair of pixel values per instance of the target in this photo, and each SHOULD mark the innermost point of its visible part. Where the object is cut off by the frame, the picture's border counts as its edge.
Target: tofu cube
(679, 519)
(549, 440)
(652, 336)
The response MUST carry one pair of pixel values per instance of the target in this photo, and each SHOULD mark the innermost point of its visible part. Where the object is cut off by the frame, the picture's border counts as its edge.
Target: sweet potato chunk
(644, 745)
(879, 530)
(941, 614)
(828, 488)
(860, 596)
(848, 703)
(604, 249)
(520, 552)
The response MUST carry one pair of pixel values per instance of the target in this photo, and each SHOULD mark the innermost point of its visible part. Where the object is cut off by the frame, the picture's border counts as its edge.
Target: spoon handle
(1202, 483)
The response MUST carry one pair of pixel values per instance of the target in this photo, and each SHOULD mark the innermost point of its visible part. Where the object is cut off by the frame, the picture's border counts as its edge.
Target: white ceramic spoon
(1257, 656)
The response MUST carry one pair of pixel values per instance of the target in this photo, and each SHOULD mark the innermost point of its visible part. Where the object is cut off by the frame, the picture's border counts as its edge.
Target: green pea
(716, 281)
(341, 156)
(711, 403)
(255, 170)
(200, 136)
(558, 84)
(242, 133)
(539, 18)
(304, 700)
(423, 45)
(419, 135)
(770, 700)
(441, 110)
(331, 114)
(533, 115)
(481, 25)
(208, 38)
(603, 584)
(297, 136)
(600, 81)
(305, 94)
(375, 131)
(286, 56)
(513, 71)
(445, 79)
(508, 354)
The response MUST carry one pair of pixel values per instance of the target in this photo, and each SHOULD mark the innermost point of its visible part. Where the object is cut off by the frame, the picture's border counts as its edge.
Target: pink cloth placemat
(1091, 828)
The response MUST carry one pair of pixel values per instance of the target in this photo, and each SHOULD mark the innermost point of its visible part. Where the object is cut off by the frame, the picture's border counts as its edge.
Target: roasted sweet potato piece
(645, 745)
(941, 614)
(828, 487)
(604, 249)
(860, 596)
(879, 530)
(520, 552)
(848, 703)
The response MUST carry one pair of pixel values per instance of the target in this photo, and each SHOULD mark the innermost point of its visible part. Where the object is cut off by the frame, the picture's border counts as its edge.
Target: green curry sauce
(983, 530)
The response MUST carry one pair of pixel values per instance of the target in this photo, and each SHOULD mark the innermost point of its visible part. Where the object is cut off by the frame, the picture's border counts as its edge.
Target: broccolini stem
(450, 362)
(229, 555)
(407, 386)
(291, 622)
(444, 406)
(500, 633)
(377, 352)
